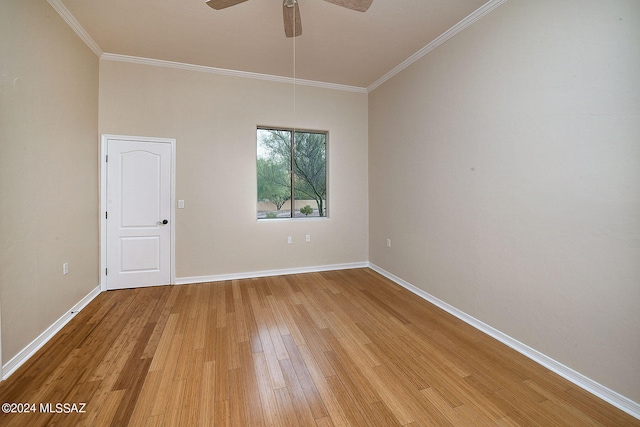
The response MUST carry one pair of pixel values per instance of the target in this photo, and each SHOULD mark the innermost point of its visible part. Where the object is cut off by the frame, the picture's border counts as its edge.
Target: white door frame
(103, 200)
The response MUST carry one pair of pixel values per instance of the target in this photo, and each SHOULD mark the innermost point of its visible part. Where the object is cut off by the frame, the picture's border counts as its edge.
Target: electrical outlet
(65, 268)
(388, 243)
(307, 238)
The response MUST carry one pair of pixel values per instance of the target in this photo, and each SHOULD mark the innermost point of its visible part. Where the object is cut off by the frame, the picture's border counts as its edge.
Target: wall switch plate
(289, 239)
(307, 238)
(388, 243)
(65, 268)
(180, 204)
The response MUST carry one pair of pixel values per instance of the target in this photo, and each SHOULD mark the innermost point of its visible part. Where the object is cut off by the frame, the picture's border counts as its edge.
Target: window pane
(273, 170)
(310, 177)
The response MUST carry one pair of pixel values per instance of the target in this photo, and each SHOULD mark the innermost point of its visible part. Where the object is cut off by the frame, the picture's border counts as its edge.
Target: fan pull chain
(294, 71)
(295, 120)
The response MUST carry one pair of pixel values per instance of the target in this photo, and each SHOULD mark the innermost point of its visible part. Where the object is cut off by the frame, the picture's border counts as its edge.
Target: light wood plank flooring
(340, 348)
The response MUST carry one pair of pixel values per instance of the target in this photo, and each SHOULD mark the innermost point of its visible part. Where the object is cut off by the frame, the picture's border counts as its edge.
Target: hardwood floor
(325, 349)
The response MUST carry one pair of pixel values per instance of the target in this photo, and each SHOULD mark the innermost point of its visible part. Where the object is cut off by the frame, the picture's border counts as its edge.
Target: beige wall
(214, 119)
(505, 167)
(48, 170)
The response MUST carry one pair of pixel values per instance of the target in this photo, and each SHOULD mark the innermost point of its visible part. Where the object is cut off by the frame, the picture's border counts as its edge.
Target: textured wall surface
(505, 168)
(214, 120)
(48, 170)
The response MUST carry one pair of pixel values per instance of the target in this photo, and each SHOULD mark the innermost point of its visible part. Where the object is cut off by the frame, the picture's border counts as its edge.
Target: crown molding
(75, 26)
(460, 26)
(226, 72)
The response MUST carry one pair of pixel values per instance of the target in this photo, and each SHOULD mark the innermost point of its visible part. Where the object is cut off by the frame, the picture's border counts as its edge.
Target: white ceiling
(337, 46)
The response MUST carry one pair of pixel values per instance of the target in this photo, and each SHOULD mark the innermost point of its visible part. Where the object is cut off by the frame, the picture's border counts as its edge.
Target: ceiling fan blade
(359, 5)
(292, 22)
(223, 4)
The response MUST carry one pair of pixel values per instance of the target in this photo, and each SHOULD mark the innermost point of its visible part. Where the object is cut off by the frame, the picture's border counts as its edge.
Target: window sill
(315, 218)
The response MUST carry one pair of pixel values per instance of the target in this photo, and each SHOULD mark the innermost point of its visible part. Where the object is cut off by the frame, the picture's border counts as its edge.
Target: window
(291, 166)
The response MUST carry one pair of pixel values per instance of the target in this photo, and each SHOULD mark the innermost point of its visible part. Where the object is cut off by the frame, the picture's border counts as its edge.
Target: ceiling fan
(291, 11)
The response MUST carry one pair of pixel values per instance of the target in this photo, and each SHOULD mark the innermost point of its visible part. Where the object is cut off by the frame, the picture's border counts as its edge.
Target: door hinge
(106, 158)
(106, 271)
(106, 215)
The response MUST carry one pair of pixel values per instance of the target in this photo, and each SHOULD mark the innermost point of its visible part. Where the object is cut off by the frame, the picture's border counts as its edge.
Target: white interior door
(138, 213)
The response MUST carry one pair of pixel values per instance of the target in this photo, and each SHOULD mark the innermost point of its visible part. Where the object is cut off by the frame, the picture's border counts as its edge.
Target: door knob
(163, 222)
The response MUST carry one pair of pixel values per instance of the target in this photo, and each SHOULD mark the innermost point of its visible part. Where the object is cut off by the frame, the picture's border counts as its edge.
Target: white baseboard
(24, 355)
(619, 401)
(266, 273)
(19, 359)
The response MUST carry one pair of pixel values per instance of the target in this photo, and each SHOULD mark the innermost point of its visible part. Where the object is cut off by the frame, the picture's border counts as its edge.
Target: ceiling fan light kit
(291, 11)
